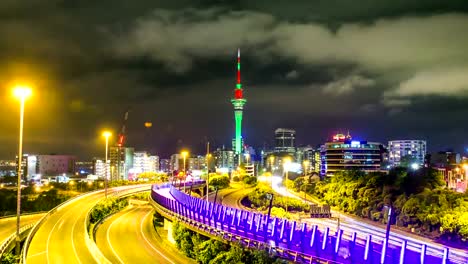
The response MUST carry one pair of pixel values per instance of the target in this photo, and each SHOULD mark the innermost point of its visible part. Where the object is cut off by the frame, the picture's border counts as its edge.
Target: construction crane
(121, 140)
(123, 132)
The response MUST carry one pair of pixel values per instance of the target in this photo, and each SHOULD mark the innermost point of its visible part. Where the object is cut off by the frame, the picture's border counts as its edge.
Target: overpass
(289, 239)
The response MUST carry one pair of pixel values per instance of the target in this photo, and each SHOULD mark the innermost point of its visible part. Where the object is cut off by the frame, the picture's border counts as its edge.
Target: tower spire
(238, 102)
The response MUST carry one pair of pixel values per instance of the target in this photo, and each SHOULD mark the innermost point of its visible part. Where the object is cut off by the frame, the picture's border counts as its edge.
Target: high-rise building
(343, 153)
(238, 102)
(285, 140)
(306, 157)
(412, 149)
(120, 163)
(100, 168)
(224, 159)
(144, 162)
(196, 163)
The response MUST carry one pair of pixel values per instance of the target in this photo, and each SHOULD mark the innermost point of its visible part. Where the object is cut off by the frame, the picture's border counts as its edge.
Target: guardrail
(8, 243)
(91, 245)
(294, 241)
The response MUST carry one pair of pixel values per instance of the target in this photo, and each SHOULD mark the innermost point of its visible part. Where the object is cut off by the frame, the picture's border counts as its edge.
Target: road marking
(73, 240)
(147, 241)
(50, 235)
(108, 237)
(37, 254)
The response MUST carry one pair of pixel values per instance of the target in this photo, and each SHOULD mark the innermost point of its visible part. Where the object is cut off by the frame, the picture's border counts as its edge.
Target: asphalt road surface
(129, 237)
(8, 225)
(61, 238)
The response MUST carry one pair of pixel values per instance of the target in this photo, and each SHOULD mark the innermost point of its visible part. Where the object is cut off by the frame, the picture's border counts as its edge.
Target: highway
(232, 196)
(61, 237)
(8, 224)
(129, 237)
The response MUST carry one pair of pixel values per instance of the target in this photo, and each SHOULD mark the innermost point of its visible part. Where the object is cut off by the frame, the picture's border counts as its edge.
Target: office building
(285, 140)
(84, 168)
(444, 159)
(343, 153)
(8, 168)
(413, 150)
(36, 166)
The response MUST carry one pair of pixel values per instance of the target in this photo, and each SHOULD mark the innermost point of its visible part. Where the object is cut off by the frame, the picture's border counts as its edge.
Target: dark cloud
(317, 66)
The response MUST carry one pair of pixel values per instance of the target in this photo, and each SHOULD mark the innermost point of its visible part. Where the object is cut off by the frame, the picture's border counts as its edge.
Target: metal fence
(292, 240)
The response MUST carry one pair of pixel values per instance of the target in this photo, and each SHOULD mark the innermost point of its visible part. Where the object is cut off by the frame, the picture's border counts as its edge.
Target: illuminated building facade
(285, 140)
(416, 149)
(224, 159)
(120, 163)
(144, 162)
(238, 102)
(343, 153)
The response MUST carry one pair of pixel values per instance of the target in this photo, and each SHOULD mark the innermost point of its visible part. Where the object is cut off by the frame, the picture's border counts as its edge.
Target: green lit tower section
(238, 102)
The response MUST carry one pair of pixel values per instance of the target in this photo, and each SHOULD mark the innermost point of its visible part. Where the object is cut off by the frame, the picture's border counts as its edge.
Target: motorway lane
(8, 225)
(129, 237)
(61, 238)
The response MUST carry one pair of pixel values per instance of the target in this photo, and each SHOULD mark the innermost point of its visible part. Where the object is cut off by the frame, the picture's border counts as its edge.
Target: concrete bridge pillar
(168, 226)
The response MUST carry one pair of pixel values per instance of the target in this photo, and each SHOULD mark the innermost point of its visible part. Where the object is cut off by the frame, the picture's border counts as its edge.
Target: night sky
(381, 69)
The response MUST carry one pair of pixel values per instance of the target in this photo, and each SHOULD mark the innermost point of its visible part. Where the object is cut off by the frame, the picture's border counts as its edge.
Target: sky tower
(238, 102)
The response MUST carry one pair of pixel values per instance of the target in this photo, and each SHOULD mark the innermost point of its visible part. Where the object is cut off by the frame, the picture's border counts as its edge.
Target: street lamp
(22, 93)
(184, 156)
(106, 134)
(286, 164)
(208, 156)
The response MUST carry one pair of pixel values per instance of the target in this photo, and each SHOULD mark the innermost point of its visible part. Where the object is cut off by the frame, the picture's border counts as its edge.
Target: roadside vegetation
(257, 199)
(420, 200)
(211, 251)
(105, 208)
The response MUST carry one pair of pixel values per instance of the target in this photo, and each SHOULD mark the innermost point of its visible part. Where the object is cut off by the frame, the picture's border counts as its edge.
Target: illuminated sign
(355, 144)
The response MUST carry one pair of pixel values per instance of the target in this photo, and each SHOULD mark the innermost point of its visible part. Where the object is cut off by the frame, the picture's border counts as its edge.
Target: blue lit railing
(289, 239)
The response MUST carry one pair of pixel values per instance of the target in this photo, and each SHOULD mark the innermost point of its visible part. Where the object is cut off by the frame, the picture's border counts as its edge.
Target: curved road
(61, 238)
(129, 237)
(8, 224)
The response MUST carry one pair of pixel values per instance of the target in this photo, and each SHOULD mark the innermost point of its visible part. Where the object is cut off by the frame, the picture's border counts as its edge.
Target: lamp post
(106, 134)
(184, 156)
(22, 93)
(208, 156)
(286, 163)
(387, 234)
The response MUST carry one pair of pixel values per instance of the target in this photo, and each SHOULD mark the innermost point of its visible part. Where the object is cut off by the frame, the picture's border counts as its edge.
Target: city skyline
(338, 71)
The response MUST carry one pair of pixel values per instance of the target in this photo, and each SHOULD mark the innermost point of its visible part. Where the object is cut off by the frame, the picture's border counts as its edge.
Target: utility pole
(207, 170)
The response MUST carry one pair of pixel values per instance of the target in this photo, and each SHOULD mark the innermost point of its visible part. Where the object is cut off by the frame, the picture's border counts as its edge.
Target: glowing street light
(184, 154)
(208, 156)
(22, 93)
(107, 135)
